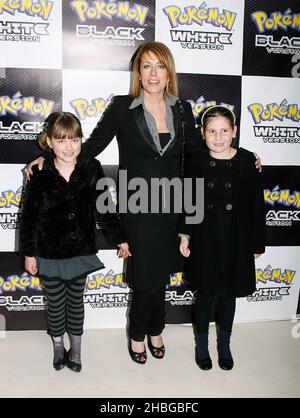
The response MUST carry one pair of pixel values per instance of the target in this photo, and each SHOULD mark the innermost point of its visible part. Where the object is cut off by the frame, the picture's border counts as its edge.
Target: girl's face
(66, 150)
(153, 74)
(218, 135)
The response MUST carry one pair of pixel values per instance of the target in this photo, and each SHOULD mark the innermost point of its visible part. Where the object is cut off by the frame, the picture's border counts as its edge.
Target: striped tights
(65, 305)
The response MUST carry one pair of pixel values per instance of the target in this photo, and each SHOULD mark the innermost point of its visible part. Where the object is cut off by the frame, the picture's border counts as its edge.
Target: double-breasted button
(229, 206)
(227, 185)
(212, 163)
(156, 158)
(73, 235)
(228, 163)
(210, 185)
(209, 206)
(71, 216)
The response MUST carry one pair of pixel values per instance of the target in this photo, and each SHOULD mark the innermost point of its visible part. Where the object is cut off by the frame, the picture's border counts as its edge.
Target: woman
(147, 124)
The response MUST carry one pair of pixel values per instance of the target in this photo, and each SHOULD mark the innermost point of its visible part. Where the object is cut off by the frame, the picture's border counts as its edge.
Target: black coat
(222, 247)
(152, 237)
(58, 217)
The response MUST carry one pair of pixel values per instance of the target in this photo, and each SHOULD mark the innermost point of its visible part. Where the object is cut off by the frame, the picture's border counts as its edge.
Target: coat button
(73, 235)
(69, 196)
(71, 216)
(212, 163)
(210, 185)
(228, 163)
(227, 185)
(228, 206)
(209, 206)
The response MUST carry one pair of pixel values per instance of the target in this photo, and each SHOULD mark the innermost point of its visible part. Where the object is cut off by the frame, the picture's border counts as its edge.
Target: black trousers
(65, 305)
(225, 310)
(147, 313)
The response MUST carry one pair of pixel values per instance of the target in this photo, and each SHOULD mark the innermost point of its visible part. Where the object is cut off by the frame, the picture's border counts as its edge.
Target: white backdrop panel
(267, 106)
(87, 94)
(36, 38)
(219, 38)
(11, 179)
(278, 283)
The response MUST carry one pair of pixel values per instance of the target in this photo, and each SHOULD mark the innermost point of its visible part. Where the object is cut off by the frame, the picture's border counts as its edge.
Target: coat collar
(138, 108)
(169, 98)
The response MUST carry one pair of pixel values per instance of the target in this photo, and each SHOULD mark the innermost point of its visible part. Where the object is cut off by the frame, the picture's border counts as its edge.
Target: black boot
(225, 358)
(74, 354)
(59, 360)
(203, 359)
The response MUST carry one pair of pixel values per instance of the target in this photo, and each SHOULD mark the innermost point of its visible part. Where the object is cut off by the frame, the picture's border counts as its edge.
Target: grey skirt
(68, 268)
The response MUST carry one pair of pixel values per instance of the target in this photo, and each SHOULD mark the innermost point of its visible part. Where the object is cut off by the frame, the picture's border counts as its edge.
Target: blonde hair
(164, 55)
(59, 125)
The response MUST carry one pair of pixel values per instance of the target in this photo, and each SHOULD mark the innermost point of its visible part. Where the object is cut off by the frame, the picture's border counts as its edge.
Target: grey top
(150, 121)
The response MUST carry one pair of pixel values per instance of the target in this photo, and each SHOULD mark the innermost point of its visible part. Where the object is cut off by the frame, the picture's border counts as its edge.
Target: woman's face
(153, 74)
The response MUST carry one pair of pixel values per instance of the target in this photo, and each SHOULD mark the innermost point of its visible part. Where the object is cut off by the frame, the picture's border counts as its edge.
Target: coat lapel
(140, 120)
(177, 125)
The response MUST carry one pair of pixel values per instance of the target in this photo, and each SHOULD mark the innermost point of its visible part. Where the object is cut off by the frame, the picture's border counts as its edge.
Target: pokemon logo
(99, 280)
(276, 275)
(9, 198)
(41, 8)
(261, 113)
(200, 105)
(14, 282)
(28, 105)
(276, 20)
(284, 197)
(97, 106)
(102, 9)
(200, 15)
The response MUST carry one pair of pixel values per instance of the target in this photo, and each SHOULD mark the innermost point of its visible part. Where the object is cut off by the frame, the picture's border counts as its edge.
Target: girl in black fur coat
(57, 231)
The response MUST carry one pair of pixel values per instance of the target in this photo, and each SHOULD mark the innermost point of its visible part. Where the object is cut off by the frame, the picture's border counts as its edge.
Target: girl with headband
(221, 250)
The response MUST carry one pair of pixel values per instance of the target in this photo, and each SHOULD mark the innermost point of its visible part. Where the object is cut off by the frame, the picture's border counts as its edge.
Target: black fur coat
(58, 217)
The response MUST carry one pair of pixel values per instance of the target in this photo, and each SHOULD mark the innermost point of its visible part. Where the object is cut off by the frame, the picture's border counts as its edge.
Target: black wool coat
(152, 237)
(221, 262)
(58, 217)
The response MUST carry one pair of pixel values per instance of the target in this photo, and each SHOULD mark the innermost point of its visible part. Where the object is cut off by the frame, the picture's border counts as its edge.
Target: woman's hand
(258, 163)
(124, 250)
(28, 169)
(184, 246)
(31, 265)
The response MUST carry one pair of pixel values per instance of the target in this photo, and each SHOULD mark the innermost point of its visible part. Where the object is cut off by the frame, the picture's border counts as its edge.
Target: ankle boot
(74, 354)
(59, 360)
(203, 359)
(225, 357)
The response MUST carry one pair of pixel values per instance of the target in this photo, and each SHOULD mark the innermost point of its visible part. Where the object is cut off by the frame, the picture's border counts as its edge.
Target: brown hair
(59, 125)
(214, 112)
(164, 55)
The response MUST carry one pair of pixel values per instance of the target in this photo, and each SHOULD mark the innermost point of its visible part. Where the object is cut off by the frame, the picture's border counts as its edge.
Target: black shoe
(225, 357)
(140, 358)
(60, 364)
(226, 364)
(205, 364)
(75, 367)
(157, 352)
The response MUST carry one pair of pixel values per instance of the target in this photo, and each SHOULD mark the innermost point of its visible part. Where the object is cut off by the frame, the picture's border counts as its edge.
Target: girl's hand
(31, 265)
(124, 250)
(258, 163)
(257, 255)
(184, 247)
(28, 168)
